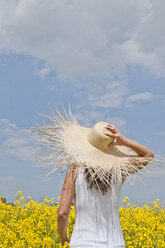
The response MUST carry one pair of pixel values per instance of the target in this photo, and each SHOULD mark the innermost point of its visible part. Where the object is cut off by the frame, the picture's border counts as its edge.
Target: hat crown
(97, 137)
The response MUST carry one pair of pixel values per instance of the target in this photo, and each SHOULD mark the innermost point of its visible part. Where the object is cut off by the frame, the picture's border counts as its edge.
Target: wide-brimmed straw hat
(70, 143)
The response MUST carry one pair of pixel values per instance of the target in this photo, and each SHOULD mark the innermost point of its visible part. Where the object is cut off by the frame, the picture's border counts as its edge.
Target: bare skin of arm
(67, 196)
(123, 141)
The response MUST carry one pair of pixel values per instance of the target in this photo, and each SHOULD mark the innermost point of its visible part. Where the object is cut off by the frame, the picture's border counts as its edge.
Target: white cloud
(17, 142)
(43, 72)
(88, 119)
(139, 97)
(147, 47)
(144, 96)
(84, 40)
(7, 127)
(150, 61)
(113, 98)
(150, 35)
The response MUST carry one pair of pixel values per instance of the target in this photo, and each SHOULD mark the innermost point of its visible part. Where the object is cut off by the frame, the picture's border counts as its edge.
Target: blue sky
(110, 66)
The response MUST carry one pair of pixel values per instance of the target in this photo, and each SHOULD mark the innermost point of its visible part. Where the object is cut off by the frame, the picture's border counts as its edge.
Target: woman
(99, 228)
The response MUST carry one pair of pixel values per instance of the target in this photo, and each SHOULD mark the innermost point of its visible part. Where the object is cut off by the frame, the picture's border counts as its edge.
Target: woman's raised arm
(123, 141)
(141, 150)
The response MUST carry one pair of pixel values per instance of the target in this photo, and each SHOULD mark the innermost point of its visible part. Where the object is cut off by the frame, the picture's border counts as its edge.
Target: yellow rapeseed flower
(34, 224)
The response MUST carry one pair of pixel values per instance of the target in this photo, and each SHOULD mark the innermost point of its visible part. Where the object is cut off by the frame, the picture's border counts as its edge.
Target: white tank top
(97, 222)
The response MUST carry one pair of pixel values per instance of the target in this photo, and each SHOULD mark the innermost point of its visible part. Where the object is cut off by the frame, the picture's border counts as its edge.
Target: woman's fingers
(111, 144)
(112, 135)
(110, 125)
(115, 142)
(112, 129)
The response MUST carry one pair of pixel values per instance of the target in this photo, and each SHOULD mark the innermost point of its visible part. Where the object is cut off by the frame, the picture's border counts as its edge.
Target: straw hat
(71, 143)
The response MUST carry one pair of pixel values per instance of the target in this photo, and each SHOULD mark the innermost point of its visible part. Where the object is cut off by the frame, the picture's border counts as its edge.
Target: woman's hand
(121, 140)
(66, 244)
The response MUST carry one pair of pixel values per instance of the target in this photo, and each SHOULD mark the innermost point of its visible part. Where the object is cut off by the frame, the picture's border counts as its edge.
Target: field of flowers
(34, 225)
